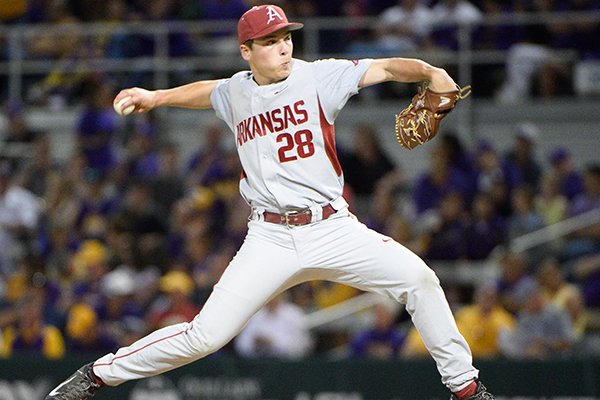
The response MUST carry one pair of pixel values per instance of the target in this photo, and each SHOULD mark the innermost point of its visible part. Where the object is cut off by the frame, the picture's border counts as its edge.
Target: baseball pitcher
(281, 114)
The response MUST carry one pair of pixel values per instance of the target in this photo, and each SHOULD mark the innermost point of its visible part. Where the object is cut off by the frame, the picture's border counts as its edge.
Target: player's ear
(245, 51)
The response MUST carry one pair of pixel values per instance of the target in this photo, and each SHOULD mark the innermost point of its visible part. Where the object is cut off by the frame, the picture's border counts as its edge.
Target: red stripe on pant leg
(143, 347)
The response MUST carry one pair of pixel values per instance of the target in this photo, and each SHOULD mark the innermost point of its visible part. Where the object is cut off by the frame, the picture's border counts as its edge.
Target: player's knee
(426, 278)
(207, 341)
(424, 282)
(214, 342)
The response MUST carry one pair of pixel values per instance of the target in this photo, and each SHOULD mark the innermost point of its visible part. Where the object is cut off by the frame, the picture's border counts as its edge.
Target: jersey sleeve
(220, 99)
(338, 81)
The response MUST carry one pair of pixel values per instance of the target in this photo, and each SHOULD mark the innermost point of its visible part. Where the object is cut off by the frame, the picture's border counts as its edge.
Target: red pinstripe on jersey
(329, 138)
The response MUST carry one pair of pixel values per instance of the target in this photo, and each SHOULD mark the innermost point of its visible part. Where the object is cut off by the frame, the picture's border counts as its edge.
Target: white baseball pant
(274, 258)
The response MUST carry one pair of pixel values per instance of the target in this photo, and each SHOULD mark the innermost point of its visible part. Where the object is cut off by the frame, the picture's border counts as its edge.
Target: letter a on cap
(272, 14)
(260, 21)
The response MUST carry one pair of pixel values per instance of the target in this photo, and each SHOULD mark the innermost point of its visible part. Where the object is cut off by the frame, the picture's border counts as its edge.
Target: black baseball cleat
(79, 386)
(480, 394)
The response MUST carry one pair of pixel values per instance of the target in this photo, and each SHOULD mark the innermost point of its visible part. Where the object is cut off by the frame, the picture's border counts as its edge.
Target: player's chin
(285, 70)
(281, 76)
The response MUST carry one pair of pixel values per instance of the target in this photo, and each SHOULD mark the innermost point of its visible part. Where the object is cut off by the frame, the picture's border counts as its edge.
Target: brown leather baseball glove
(420, 121)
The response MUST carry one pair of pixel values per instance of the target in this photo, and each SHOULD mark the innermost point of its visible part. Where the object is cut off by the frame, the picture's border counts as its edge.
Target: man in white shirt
(20, 211)
(277, 330)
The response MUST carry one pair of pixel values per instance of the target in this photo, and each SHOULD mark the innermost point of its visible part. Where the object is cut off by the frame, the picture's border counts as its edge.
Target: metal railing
(460, 272)
(555, 231)
(21, 63)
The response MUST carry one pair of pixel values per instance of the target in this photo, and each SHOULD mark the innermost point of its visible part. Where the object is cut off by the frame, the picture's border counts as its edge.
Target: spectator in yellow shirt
(30, 335)
(482, 322)
(413, 345)
(555, 290)
(12, 10)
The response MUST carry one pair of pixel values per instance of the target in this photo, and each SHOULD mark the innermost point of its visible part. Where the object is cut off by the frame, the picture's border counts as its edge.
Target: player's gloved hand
(420, 121)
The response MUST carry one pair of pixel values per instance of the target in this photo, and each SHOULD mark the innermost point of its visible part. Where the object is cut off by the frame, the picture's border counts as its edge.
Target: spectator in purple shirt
(577, 34)
(446, 240)
(496, 177)
(223, 9)
(589, 198)
(460, 160)
(142, 159)
(586, 240)
(206, 165)
(586, 272)
(487, 229)
(492, 168)
(223, 40)
(514, 282)
(571, 182)
(440, 180)
(95, 200)
(522, 154)
(96, 127)
(384, 339)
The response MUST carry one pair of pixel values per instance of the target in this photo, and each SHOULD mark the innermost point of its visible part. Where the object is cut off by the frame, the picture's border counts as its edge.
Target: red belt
(296, 218)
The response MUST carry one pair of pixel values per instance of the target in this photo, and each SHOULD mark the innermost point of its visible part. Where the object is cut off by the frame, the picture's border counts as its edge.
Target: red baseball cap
(263, 20)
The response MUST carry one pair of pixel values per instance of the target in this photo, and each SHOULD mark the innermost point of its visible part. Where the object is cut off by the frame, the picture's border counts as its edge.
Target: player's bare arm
(407, 70)
(192, 95)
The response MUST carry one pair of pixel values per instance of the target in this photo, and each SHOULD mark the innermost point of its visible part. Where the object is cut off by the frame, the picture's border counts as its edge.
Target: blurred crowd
(124, 236)
(532, 63)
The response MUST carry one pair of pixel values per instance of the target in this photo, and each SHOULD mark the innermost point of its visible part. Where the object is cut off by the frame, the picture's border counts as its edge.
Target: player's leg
(265, 265)
(221, 318)
(370, 261)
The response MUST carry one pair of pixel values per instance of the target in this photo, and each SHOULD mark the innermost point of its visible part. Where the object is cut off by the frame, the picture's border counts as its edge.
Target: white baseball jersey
(285, 139)
(284, 131)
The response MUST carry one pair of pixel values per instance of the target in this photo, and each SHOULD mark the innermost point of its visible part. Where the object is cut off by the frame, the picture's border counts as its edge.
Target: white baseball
(119, 107)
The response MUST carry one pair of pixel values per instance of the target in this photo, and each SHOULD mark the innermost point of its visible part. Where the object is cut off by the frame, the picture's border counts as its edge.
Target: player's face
(270, 57)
